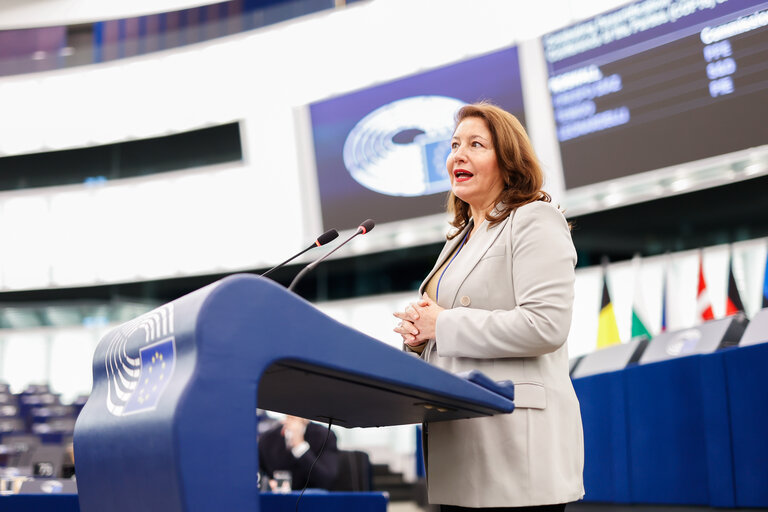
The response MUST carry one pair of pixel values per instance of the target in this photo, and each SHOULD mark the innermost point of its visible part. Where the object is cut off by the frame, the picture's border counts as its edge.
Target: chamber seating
(355, 472)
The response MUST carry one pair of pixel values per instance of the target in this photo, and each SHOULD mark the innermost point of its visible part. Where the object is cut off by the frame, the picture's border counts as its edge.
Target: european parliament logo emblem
(139, 362)
(157, 364)
(684, 342)
(400, 148)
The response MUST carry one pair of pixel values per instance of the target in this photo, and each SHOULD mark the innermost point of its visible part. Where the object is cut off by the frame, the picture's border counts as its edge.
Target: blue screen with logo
(380, 152)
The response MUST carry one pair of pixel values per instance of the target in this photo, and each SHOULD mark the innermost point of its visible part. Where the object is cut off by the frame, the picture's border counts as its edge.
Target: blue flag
(157, 363)
(765, 285)
(664, 302)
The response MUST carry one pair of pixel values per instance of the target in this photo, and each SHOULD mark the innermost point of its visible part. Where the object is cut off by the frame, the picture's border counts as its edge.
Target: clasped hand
(418, 322)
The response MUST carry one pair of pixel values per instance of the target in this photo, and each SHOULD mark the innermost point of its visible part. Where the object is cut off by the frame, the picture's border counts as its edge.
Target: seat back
(11, 426)
(354, 472)
(9, 410)
(23, 445)
(47, 459)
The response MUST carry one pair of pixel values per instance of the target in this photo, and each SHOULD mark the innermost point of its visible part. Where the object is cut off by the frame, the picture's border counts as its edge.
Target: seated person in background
(293, 446)
(68, 464)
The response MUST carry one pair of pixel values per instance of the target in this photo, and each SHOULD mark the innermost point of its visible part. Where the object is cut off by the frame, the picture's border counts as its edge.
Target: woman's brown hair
(520, 169)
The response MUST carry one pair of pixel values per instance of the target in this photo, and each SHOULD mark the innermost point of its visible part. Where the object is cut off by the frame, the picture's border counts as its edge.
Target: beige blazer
(508, 297)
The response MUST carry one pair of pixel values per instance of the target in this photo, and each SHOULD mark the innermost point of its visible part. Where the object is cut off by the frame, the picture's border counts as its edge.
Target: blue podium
(171, 422)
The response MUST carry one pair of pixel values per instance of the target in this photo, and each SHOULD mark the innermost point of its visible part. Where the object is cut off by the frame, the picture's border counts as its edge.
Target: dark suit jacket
(274, 456)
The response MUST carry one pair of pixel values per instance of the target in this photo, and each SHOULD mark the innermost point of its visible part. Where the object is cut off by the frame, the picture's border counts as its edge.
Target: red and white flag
(703, 304)
(733, 302)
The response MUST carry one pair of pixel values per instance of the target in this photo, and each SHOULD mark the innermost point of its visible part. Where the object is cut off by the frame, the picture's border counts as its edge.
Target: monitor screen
(658, 83)
(380, 152)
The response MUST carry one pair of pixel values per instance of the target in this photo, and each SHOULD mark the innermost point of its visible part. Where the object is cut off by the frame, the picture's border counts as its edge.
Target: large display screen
(380, 152)
(658, 83)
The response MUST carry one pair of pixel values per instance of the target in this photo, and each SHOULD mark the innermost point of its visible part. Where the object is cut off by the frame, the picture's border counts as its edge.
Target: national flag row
(608, 331)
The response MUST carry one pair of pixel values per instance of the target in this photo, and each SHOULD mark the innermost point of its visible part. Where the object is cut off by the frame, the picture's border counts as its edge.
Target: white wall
(136, 229)
(60, 357)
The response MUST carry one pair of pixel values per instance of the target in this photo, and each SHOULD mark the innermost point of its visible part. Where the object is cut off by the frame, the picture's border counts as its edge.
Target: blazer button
(465, 300)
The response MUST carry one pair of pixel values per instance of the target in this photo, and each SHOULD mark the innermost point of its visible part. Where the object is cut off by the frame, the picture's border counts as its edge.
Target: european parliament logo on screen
(400, 148)
(380, 152)
(140, 361)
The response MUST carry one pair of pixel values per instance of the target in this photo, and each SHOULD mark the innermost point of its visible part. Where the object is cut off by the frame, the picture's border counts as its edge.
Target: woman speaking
(499, 300)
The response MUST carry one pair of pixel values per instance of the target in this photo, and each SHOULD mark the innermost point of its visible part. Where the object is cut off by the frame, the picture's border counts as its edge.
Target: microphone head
(326, 237)
(366, 226)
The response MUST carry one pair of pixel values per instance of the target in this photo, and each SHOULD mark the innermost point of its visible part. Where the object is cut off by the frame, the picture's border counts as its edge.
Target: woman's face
(475, 175)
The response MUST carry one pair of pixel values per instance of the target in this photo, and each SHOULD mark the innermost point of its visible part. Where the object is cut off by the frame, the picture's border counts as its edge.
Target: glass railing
(87, 313)
(48, 48)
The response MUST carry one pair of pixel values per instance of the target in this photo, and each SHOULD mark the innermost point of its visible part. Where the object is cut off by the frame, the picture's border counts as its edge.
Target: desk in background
(312, 501)
(687, 431)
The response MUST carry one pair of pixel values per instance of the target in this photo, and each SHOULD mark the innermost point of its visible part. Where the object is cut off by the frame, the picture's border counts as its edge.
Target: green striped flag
(639, 317)
(638, 326)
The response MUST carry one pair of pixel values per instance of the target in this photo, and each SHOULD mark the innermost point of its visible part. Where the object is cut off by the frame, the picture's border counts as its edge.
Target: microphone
(323, 239)
(362, 229)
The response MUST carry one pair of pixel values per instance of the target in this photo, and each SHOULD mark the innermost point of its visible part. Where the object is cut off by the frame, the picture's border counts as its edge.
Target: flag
(639, 318)
(607, 329)
(157, 365)
(733, 302)
(664, 301)
(765, 284)
(638, 326)
(703, 304)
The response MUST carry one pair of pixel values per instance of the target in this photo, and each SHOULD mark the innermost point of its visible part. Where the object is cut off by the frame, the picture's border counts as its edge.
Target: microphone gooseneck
(364, 227)
(323, 239)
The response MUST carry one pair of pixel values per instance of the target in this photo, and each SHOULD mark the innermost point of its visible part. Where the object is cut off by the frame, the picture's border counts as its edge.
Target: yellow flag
(607, 330)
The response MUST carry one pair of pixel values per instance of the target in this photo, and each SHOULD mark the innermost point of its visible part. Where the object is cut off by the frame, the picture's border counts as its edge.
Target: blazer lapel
(468, 258)
(448, 249)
